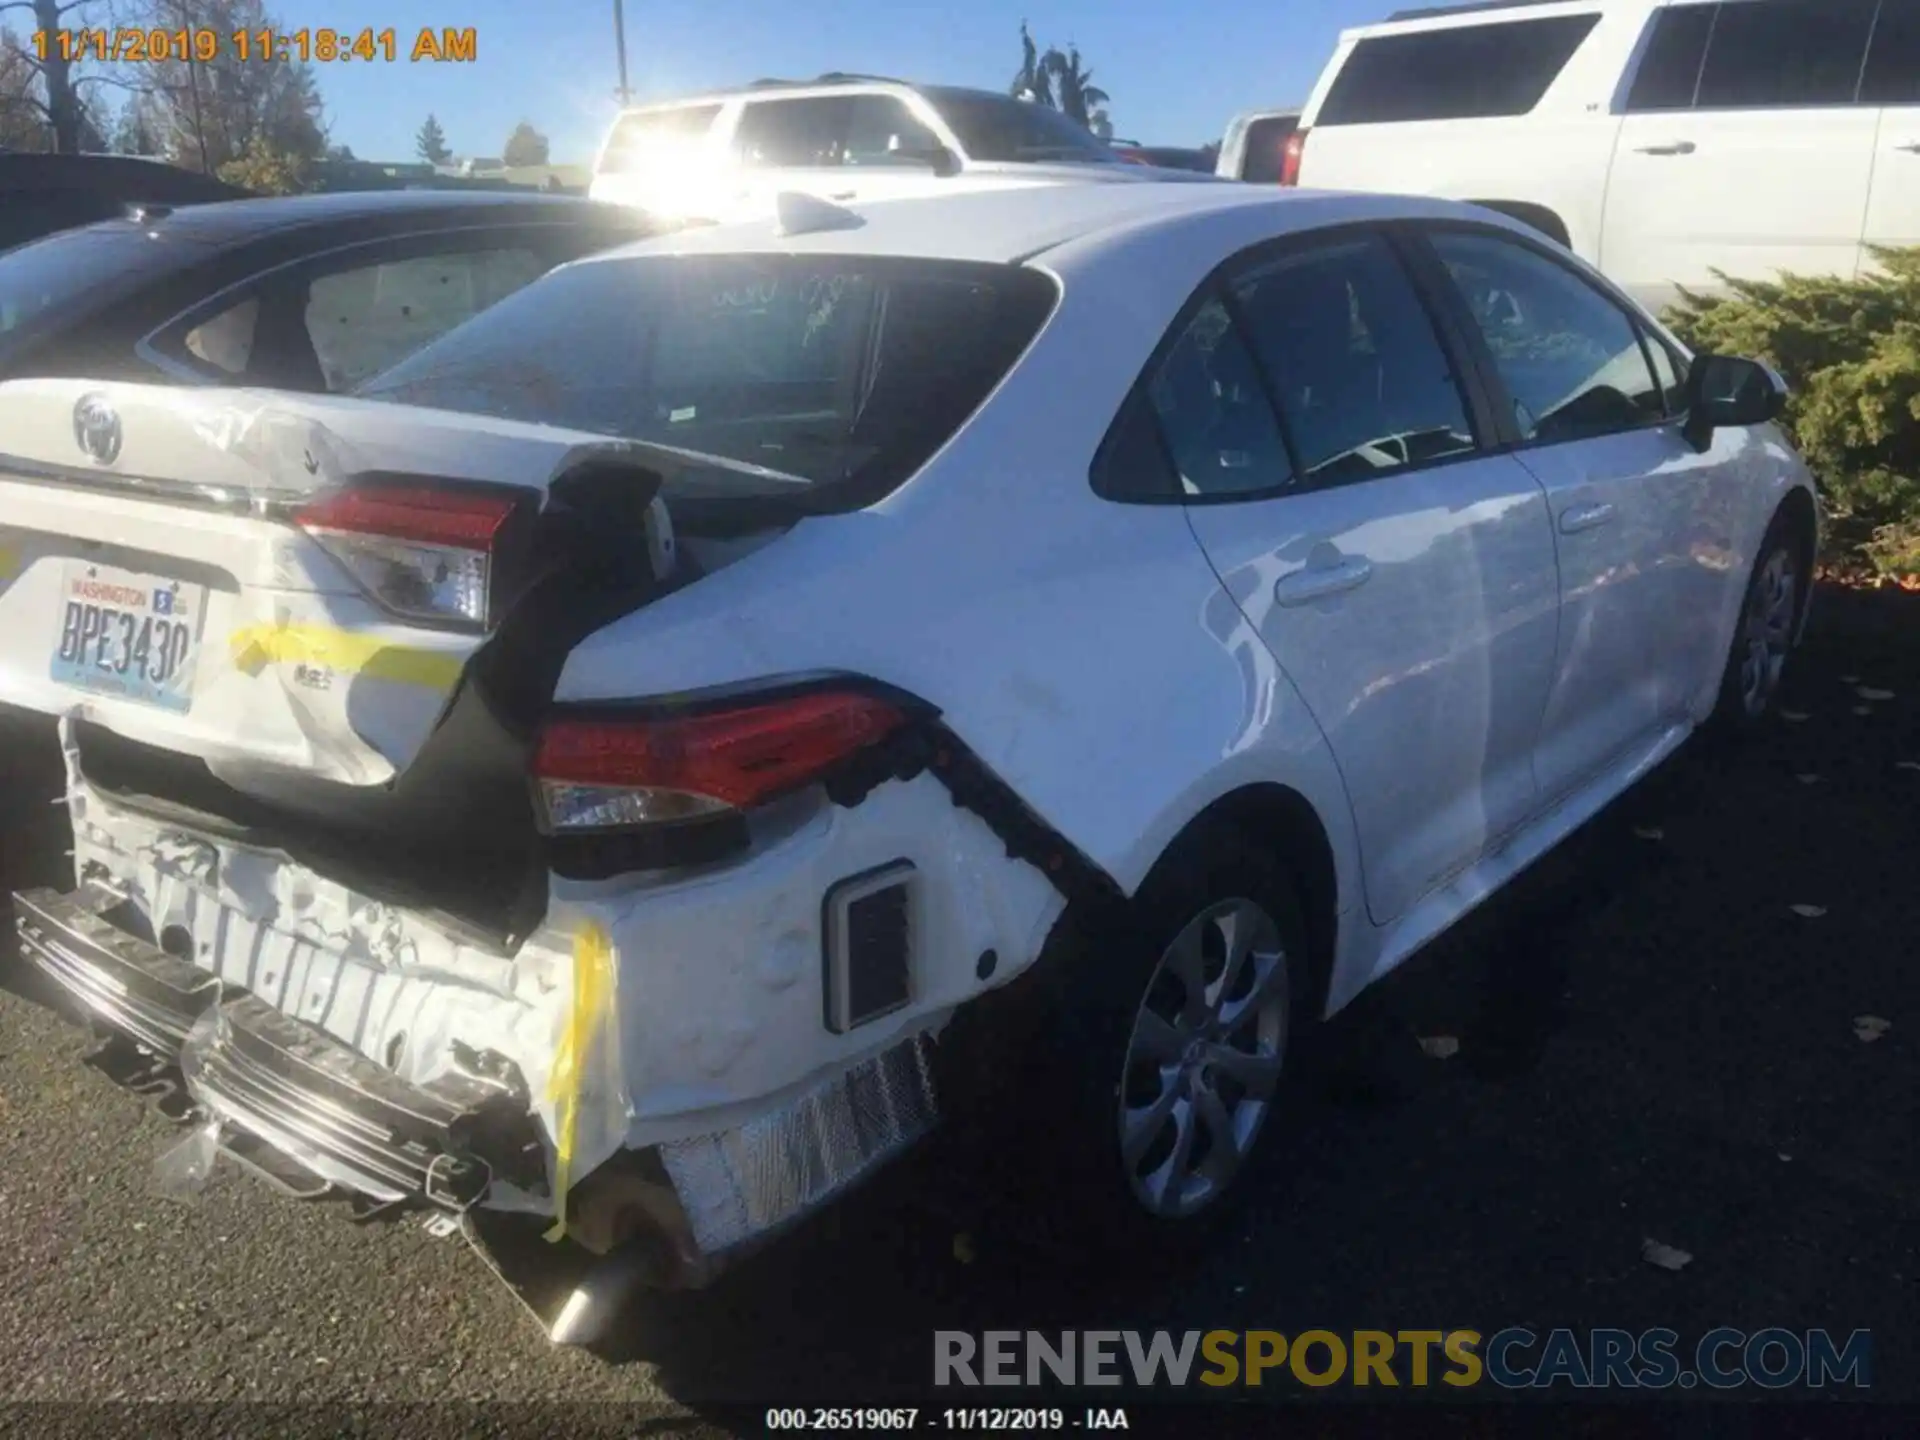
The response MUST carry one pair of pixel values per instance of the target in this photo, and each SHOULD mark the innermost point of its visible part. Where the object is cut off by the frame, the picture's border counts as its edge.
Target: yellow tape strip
(257, 646)
(592, 995)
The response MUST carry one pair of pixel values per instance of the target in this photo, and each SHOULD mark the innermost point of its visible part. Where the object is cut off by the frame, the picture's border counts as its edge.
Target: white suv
(846, 139)
(1663, 140)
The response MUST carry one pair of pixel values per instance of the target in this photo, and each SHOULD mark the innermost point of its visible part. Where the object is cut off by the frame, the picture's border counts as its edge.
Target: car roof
(1017, 224)
(831, 84)
(234, 221)
(125, 177)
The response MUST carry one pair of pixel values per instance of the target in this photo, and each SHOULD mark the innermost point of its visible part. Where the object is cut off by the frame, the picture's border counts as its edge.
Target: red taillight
(1291, 154)
(600, 774)
(420, 513)
(423, 553)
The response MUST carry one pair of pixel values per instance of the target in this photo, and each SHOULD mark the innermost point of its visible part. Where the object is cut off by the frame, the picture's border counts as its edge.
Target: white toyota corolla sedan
(652, 754)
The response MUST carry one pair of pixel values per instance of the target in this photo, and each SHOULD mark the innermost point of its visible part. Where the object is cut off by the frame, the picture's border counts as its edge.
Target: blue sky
(1176, 72)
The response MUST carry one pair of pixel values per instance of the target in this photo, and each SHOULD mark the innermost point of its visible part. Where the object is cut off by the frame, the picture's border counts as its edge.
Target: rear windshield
(847, 372)
(1000, 128)
(1460, 73)
(55, 281)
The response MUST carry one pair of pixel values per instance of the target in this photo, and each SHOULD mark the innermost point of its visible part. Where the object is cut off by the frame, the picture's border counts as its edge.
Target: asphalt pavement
(1652, 1044)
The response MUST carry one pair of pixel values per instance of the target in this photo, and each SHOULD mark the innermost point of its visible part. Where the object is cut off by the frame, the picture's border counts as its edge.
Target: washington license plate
(134, 636)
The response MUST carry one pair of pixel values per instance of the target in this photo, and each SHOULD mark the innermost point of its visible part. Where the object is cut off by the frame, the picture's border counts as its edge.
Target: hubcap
(1204, 1058)
(1767, 630)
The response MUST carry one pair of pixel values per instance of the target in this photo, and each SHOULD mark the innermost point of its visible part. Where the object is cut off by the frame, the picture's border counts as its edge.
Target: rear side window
(1214, 416)
(654, 138)
(1779, 53)
(1893, 63)
(846, 372)
(1363, 383)
(1669, 71)
(1266, 149)
(1464, 72)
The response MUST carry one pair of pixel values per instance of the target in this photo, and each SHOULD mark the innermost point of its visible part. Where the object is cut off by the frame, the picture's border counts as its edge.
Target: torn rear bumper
(341, 1117)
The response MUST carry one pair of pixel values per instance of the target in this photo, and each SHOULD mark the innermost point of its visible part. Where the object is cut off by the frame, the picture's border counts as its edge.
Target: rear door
(1402, 577)
(1745, 148)
(1892, 82)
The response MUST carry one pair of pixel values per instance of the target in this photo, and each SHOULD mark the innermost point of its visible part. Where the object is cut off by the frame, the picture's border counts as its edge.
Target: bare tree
(41, 81)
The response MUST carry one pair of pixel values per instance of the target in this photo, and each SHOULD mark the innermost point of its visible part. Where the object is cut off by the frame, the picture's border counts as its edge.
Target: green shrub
(1851, 351)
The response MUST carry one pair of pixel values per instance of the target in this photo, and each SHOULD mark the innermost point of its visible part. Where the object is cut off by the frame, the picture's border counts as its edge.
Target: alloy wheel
(1767, 629)
(1204, 1058)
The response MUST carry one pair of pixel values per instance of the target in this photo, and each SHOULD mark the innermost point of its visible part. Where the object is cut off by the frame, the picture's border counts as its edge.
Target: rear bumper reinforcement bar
(339, 1115)
(128, 985)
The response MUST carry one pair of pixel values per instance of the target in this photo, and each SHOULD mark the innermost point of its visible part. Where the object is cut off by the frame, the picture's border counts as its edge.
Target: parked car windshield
(51, 282)
(847, 372)
(996, 127)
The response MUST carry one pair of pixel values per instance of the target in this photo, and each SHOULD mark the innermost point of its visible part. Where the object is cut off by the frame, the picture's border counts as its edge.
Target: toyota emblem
(96, 426)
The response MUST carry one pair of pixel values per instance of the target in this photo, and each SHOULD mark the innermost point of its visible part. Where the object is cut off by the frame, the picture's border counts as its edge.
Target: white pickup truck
(1662, 140)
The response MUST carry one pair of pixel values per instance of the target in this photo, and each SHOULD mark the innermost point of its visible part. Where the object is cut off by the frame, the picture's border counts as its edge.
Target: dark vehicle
(310, 292)
(1168, 157)
(41, 194)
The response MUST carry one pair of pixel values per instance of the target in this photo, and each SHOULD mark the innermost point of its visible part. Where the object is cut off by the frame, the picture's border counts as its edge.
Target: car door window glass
(362, 321)
(1570, 357)
(792, 134)
(1778, 53)
(1893, 62)
(1671, 377)
(1458, 73)
(1213, 412)
(882, 131)
(1669, 71)
(226, 340)
(1363, 383)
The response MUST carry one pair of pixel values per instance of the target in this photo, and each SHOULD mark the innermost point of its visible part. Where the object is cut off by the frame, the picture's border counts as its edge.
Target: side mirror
(1725, 390)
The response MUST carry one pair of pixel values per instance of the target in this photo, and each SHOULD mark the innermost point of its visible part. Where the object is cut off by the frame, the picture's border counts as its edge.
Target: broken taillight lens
(423, 552)
(608, 774)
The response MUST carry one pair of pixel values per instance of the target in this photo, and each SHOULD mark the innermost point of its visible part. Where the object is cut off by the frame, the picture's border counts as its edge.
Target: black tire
(1769, 620)
(1079, 1199)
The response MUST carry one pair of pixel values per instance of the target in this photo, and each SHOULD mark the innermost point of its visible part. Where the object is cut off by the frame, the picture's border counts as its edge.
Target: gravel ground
(1652, 1044)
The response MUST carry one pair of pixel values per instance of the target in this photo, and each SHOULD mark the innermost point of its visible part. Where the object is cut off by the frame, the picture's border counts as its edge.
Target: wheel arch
(1284, 819)
(1802, 517)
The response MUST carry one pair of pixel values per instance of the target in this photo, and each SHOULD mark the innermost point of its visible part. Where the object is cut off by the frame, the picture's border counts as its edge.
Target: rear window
(1465, 72)
(655, 137)
(52, 282)
(1000, 128)
(1893, 65)
(847, 372)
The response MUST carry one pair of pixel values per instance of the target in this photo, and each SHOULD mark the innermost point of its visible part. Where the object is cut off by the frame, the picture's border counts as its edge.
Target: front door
(1402, 578)
(1641, 521)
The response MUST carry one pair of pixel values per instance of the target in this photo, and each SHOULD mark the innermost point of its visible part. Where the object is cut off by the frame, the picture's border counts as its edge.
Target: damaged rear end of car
(620, 976)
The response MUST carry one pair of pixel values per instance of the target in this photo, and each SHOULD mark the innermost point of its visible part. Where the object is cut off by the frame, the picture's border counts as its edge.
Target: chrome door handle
(1672, 147)
(1584, 517)
(1305, 586)
(843, 195)
(1912, 147)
